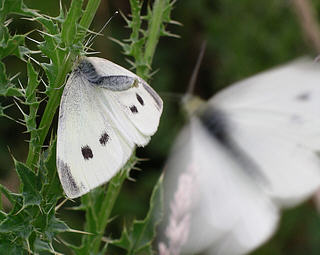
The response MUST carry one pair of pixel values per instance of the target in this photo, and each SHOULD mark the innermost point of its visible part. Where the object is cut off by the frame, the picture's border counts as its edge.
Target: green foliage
(138, 238)
(31, 225)
(142, 42)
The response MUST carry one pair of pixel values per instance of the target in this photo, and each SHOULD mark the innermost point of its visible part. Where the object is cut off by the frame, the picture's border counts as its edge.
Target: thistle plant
(32, 226)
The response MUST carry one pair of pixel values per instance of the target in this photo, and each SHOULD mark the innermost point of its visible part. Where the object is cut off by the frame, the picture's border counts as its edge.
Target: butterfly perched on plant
(105, 112)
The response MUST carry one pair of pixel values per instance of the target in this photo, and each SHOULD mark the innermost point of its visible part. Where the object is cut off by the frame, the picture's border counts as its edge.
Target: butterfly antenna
(104, 26)
(195, 72)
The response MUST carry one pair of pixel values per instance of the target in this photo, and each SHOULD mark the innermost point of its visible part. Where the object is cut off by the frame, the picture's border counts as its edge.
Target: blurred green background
(244, 37)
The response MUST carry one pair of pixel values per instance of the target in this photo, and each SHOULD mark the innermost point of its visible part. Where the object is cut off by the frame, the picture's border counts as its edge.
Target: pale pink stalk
(177, 230)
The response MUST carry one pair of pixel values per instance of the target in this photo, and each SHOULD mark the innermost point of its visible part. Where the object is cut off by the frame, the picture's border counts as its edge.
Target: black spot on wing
(304, 96)
(86, 152)
(133, 109)
(67, 179)
(139, 98)
(104, 138)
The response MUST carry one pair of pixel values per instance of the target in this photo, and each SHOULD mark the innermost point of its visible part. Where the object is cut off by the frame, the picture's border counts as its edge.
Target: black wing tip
(154, 95)
(70, 186)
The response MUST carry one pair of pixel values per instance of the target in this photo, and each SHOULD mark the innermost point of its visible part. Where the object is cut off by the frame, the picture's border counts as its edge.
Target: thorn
(22, 88)
(7, 22)
(37, 62)
(20, 108)
(93, 53)
(174, 22)
(116, 41)
(143, 159)
(33, 40)
(105, 239)
(136, 168)
(13, 77)
(43, 82)
(61, 204)
(79, 232)
(129, 177)
(154, 72)
(45, 33)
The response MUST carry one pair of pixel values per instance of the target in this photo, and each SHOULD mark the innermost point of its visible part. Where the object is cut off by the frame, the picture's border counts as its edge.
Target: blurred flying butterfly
(105, 112)
(250, 151)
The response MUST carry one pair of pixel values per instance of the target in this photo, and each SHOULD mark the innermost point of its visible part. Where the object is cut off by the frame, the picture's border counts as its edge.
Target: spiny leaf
(30, 184)
(40, 246)
(14, 6)
(51, 189)
(33, 103)
(69, 27)
(18, 223)
(6, 87)
(13, 47)
(32, 84)
(142, 43)
(56, 226)
(15, 199)
(138, 239)
(7, 247)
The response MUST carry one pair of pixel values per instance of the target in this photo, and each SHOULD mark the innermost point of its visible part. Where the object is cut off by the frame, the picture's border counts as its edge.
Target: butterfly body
(105, 112)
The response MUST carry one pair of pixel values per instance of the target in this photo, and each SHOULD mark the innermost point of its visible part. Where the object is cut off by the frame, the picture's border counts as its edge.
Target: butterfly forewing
(274, 119)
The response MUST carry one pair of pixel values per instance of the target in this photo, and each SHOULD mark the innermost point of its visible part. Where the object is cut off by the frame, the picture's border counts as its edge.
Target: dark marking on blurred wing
(304, 96)
(217, 125)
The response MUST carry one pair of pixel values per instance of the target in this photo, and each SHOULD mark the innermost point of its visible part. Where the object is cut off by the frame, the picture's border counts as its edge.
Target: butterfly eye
(139, 98)
(133, 109)
(86, 152)
(104, 138)
(135, 83)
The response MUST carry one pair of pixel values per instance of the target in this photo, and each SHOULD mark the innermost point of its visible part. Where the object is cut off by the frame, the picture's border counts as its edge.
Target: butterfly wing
(95, 133)
(273, 118)
(137, 110)
(229, 212)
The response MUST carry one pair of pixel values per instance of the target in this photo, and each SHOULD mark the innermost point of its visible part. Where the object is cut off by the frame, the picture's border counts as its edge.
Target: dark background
(243, 38)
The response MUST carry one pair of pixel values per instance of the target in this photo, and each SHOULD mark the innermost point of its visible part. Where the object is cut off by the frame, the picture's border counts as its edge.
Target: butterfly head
(192, 105)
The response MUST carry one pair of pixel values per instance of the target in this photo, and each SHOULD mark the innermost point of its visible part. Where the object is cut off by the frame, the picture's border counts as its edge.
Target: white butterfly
(105, 111)
(251, 150)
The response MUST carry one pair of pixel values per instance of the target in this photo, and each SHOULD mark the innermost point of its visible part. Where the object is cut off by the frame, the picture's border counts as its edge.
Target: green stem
(154, 30)
(55, 96)
(107, 206)
(101, 210)
(89, 13)
(49, 112)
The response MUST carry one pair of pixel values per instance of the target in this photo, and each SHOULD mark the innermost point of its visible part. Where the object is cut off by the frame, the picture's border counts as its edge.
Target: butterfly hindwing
(219, 189)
